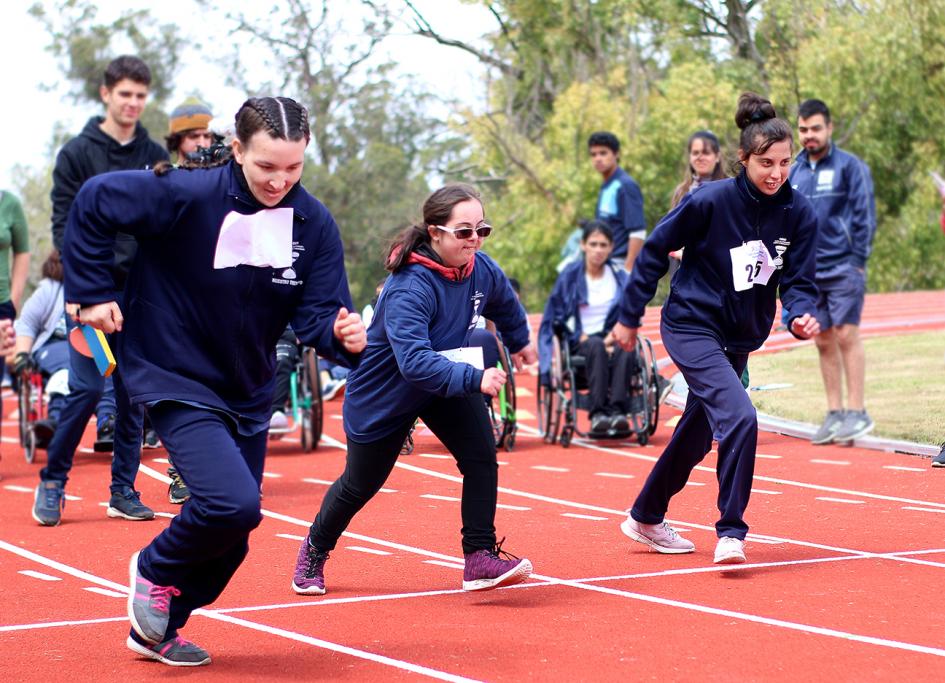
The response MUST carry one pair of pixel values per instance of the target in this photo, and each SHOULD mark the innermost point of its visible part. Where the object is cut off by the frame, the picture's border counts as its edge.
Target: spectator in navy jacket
(227, 257)
(418, 364)
(744, 238)
(840, 188)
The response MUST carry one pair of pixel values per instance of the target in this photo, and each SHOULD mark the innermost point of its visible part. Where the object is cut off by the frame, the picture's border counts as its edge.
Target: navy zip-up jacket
(419, 313)
(709, 222)
(840, 188)
(567, 296)
(191, 332)
(620, 205)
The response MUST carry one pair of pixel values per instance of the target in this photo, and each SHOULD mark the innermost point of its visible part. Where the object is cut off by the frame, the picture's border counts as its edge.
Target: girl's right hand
(106, 317)
(493, 379)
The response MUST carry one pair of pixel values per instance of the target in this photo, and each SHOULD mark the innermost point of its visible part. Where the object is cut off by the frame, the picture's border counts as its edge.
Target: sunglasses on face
(482, 230)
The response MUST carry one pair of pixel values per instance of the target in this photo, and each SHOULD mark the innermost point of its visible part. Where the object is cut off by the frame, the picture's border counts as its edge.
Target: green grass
(905, 385)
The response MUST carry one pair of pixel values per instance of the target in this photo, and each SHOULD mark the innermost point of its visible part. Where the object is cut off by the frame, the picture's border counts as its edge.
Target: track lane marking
(39, 575)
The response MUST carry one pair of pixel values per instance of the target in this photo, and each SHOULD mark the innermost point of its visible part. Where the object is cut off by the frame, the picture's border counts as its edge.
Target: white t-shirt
(600, 295)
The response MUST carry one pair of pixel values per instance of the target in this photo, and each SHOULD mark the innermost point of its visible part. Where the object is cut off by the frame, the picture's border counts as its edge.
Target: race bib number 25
(751, 265)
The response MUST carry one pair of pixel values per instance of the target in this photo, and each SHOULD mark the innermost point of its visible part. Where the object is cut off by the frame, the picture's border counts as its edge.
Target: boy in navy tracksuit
(414, 366)
(744, 237)
(227, 258)
(840, 189)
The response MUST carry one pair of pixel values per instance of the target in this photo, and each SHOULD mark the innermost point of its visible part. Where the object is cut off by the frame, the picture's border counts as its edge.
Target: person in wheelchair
(41, 343)
(583, 307)
(287, 357)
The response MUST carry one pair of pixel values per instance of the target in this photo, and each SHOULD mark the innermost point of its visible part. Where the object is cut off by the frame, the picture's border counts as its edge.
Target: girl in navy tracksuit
(440, 285)
(227, 257)
(744, 238)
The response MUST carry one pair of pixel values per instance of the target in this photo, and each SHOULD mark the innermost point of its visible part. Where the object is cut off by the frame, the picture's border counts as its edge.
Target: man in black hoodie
(115, 142)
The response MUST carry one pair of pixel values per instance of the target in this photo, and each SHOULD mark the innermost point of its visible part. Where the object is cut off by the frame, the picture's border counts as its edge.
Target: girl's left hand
(527, 356)
(805, 326)
(349, 329)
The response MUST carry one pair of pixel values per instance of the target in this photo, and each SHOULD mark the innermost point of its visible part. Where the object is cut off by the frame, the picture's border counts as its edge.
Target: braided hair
(281, 117)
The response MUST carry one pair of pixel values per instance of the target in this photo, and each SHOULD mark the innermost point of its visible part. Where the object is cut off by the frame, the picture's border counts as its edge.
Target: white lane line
(166, 515)
(337, 417)
(848, 501)
(765, 541)
(825, 461)
(272, 475)
(10, 439)
(54, 624)
(18, 488)
(323, 482)
(68, 497)
(503, 463)
(550, 468)
(695, 483)
(593, 518)
(441, 563)
(362, 549)
(903, 468)
(290, 635)
(517, 508)
(163, 461)
(86, 449)
(104, 591)
(39, 575)
(767, 492)
(435, 456)
(614, 475)
(918, 509)
(291, 537)
(767, 456)
(434, 496)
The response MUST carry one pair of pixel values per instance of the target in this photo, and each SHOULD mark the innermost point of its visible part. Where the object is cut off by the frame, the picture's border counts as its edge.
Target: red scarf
(453, 274)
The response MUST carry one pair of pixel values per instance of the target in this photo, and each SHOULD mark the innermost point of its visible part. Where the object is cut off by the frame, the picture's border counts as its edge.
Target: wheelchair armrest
(561, 329)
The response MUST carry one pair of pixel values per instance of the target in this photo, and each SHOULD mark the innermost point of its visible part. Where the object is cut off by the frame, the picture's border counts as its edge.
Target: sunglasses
(483, 230)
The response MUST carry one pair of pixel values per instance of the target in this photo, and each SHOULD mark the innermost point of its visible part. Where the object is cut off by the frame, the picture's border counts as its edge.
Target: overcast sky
(30, 113)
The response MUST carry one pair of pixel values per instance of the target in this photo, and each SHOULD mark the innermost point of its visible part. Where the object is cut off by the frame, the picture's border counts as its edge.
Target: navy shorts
(842, 290)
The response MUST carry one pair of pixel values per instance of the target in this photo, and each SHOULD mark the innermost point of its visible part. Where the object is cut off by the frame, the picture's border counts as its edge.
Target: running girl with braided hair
(227, 257)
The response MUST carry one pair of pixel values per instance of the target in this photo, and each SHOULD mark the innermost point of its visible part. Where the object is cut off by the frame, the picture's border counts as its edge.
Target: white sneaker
(278, 421)
(331, 387)
(730, 550)
(661, 537)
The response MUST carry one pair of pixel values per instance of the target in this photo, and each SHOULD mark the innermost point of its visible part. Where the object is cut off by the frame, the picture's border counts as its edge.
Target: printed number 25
(753, 270)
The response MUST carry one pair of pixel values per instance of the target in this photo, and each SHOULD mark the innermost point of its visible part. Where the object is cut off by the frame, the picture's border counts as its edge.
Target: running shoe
(105, 436)
(730, 550)
(832, 423)
(148, 605)
(174, 652)
(332, 387)
(600, 424)
(619, 423)
(660, 537)
(48, 502)
(177, 491)
(492, 568)
(278, 421)
(309, 577)
(151, 439)
(939, 460)
(665, 388)
(856, 424)
(126, 504)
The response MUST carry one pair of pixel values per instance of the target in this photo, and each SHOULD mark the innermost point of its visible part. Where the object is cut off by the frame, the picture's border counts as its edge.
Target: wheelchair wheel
(25, 409)
(550, 398)
(652, 387)
(310, 394)
(506, 426)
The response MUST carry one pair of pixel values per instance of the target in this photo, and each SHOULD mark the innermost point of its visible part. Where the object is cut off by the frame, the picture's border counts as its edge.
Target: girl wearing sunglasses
(418, 364)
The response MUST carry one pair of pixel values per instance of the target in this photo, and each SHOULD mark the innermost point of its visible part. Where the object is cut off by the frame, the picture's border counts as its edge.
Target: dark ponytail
(760, 125)
(437, 210)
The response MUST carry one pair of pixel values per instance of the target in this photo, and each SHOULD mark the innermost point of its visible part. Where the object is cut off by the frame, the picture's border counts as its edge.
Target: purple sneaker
(148, 605)
(486, 570)
(309, 578)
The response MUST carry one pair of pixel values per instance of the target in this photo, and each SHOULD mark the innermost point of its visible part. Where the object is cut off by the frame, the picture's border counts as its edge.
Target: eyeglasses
(482, 230)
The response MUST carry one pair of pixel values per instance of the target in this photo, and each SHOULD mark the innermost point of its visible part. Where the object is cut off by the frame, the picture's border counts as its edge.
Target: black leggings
(463, 426)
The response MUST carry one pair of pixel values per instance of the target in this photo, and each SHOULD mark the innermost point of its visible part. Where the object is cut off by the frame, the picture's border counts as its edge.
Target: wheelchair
(560, 395)
(502, 407)
(305, 400)
(31, 403)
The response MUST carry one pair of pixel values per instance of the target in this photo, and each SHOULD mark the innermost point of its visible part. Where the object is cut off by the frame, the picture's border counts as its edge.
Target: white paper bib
(751, 265)
(261, 239)
(465, 354)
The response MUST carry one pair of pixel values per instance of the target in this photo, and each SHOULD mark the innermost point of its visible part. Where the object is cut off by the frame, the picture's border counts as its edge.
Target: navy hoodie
(709, 222)
(191, 332)
(840, 188)
(419, 313)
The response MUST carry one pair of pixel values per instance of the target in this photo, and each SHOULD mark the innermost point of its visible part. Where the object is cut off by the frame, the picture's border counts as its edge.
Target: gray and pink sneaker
(309, 578)
(485, 569)
(660, 537)
(148, 605)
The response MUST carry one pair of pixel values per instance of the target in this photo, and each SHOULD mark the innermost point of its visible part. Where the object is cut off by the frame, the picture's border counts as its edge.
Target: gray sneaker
(173, 652)
(856, 423)
(148, 605)
(48, 502)
(126, 504)
(939, 460)
(829, 428)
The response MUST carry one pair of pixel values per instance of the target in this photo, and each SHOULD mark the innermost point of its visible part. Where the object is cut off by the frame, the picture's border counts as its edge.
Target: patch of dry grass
(905, 385)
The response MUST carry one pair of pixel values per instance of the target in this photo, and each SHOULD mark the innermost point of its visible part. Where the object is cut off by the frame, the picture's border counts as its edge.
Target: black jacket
(90, 153)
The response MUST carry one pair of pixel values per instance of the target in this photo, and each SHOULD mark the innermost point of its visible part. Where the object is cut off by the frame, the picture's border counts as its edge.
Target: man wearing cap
(189, 128)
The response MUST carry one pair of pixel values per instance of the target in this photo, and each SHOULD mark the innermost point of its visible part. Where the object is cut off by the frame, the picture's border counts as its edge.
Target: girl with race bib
(745, 238)
(418, 364)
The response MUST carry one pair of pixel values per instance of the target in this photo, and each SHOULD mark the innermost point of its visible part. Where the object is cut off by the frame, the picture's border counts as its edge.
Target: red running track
(845, 553)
